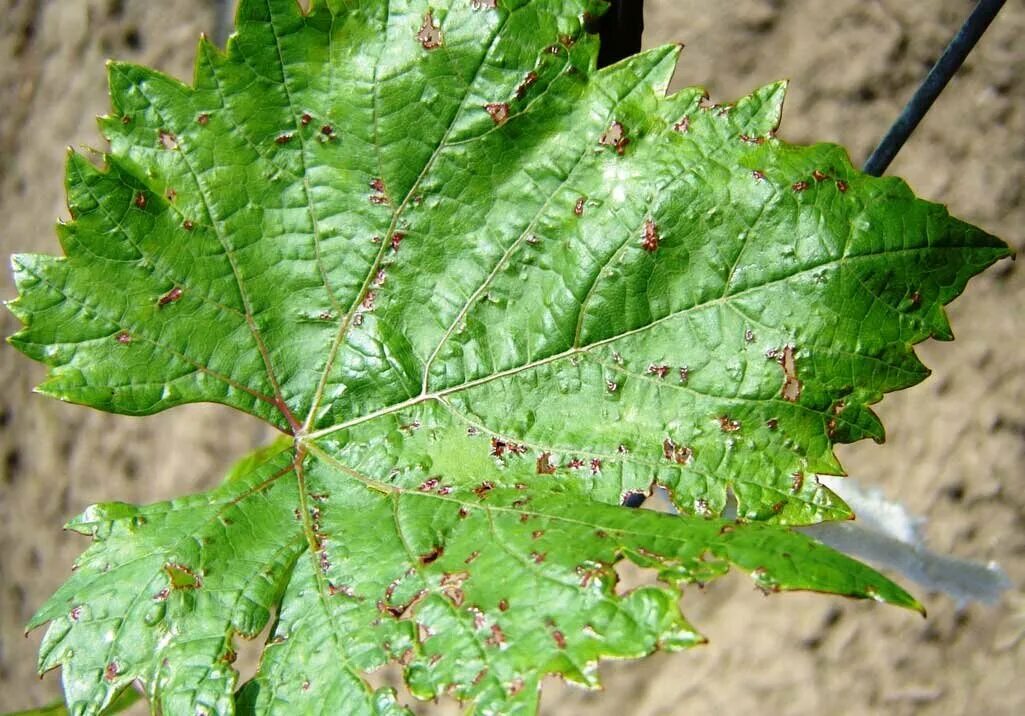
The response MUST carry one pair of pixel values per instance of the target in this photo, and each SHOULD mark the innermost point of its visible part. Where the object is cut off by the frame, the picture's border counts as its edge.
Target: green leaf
(124, 701)
(486, 291)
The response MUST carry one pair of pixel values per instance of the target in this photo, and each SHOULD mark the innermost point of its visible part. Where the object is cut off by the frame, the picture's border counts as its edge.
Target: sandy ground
(956, 448)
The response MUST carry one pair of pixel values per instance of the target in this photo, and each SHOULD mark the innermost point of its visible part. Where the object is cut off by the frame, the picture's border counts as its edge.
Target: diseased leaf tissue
(486, 291)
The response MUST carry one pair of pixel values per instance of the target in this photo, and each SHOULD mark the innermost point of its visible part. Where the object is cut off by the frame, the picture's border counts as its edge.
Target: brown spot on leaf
(791, 390)
(471, 557)
(759, 176)
(432, 556)
(796, 482)
(728, 425)
(658, 369)
(111, 671)
(75, 614)
(171, 296)
(841, 185)
(203, 119)
(539, 557)
(140, 200)
(680, 454)
(819, 175)
(544, 464)
(396, 241)
(684, 374)
(498, 447)
(612, 386)
(430, 35)
(498, 111)
(537, 534)
(515, 687)
(328, 131)
(124, 338)
(595, 466)
(528, 80)
(772, 423)
(560, 639)
(188, 225)
(306, 119)
(503, 605)
(168, 140)
(650, 238)
(283, 138)
(748, 139)
(497, 637)
(800, 186)
(683, 126)
(615, 137)
(483, 489)
(578, 208)
(483, 4)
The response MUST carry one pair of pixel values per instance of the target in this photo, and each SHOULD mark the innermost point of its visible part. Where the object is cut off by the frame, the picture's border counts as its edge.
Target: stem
(933, 84)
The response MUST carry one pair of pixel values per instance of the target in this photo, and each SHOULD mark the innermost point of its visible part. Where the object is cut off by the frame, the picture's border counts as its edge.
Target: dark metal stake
(934, 83)
(620, 29)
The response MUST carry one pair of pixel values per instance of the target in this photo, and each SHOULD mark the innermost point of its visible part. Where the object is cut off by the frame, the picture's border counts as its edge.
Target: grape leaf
(486, 291)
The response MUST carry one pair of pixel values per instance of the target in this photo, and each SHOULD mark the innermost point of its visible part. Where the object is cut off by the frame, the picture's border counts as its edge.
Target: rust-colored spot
(615, 137)
(471, 557)
(483, 4)
(369, 301)
(483, 489)
(429, 484)
(503, 605)
(430, 36)
(126, 119)
(658, 369)
(305, 685)
(463, 513)
(343, 589)
(575, 464)
(578, 208)
(537, 534)
(515, 687)
(124, 338)
(800, 186)
(727, 425)
(111, 671)
(380, 278)
(683, 126)
(283, 138)
(140, 200)
(539, 557)
(498, 447)
(684, 374)
(168, 140)
(171, 296)
(181, 577)
(75, 614)
(601, 534)
(544, 464)
(498, 111)
(749, 336)
(772, 423)
(818, 175)
(171, 195)
(528, 81)
(748, 139)
(432, 556)
(480, 676)
(611, 385)
(791, 390)
(328, 131)
(595, 466)
(396, 241)
(560, 639)
(497, 637)
(916, 299)
(778, 507)
(841, 185)
(203, 119)
(188, 225)
(726, 529)
(306, 119)
(796, 482)
(650, 238)
(680, 454)
(759, 176)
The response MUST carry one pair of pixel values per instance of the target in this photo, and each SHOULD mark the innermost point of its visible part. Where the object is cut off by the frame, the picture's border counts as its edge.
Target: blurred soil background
(956, 451)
